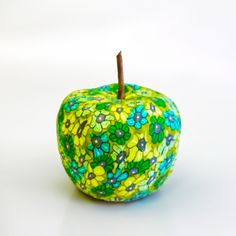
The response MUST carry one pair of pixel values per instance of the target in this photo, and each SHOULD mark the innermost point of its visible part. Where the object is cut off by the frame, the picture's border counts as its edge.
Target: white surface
(185, 49)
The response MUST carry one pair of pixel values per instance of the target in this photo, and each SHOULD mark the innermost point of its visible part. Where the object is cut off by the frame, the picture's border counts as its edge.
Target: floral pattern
(95, 176)
(99, 144)
(75, 171)
(139, 147)
(172, 120)
(138, 117)
(156, 129)
(71, 104)
(115, 179)
(118, 150)
(101, 120)
(166, 164)
(68, 146)
(119, 133)
(105, 161)
(120, 113)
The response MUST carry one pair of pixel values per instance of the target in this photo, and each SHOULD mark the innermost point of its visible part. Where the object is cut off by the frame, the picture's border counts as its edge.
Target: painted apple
(118, 149)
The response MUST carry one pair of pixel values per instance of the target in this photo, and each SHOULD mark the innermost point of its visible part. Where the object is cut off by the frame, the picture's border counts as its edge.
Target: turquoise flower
(134, 86)
(71, 104)
(140, 195)
(99, 144)
(104, 88)
(115, 179)
(172, 120)
(75, 171)
(138, 117)
(166, 164)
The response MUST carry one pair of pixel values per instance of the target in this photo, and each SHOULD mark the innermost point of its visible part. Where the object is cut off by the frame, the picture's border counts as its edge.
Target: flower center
(157, 128)
(112, 181)
(81, 159)
(121, 156)
(82, 186)
(171, 118)
(101, 118)
(97, 142)
(152, 108)
(137, 117)
(100, 192)
(119, 133)
(68, 146)
(71, 103)
(130, 188)
(141, 145)
(102, 163)
(169, 139)
(67, 124)
(153, 160)
(133, 171)
(152, 178)
(91, 176)
(85, 108)
(119, 109)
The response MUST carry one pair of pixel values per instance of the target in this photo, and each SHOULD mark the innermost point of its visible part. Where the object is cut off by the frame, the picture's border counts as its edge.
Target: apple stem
(121, 92)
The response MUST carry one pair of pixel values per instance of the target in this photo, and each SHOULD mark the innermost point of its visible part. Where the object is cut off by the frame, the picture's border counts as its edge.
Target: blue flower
(75, 171)
(172, 120)
(137, 117)
(99, 144)
(115, 179)
(71, 104)
(167, 163)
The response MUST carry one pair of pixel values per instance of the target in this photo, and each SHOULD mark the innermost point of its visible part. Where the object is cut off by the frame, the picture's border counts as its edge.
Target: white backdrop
(185, 49)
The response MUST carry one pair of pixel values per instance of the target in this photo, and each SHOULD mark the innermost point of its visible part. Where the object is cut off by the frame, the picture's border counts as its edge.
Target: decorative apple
(118, 142)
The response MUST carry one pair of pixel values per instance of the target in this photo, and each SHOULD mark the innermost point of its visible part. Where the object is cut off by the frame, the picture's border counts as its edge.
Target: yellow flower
(95, 176)
(80, 132)
(68, 123)
(119, 155)
(152, 109)
(129, 187)
(139, 147)
(82, 157)
(120, 112)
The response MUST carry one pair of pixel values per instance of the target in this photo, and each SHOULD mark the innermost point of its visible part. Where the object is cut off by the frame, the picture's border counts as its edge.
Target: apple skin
(118, 150)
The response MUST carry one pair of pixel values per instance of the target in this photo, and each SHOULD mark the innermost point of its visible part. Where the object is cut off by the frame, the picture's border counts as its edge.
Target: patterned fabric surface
(118, 150)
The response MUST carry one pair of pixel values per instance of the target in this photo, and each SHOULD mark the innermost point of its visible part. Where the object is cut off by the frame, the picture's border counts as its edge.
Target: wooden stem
(121, 92)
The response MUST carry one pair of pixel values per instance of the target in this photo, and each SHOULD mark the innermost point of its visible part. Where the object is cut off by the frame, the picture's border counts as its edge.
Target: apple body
(118, 150)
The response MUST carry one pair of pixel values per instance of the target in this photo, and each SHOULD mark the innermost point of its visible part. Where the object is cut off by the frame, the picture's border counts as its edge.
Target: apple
(118, 142)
